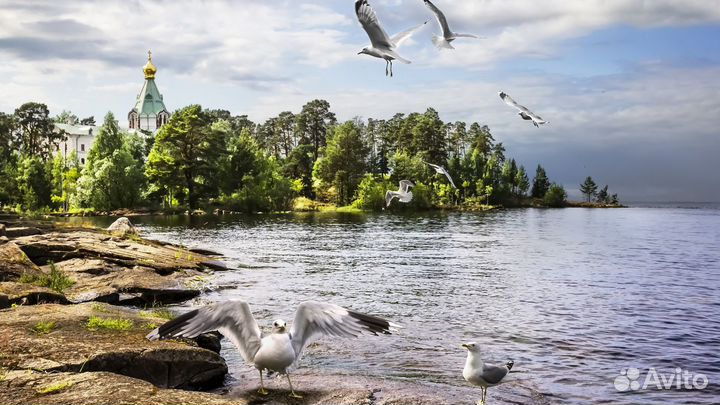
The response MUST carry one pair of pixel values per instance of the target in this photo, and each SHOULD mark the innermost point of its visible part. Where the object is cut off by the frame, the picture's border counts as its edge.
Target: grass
(53, 388)
(57, 280)
(3, 374)
(43, 328)
(96, 323)
(163, 313)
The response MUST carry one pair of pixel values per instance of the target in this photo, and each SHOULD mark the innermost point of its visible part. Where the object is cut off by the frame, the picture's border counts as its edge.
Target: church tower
(149, 113)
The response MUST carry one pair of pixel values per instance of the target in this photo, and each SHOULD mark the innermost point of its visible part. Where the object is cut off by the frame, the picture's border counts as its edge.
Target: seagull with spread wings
(447, 34)
(403, 195)
(524, 112)
(441, 170)
(280, 349)
(381, 45)
(476, 372)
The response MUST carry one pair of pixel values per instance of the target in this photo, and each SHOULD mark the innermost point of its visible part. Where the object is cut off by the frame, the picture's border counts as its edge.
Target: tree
(187, 151)
(522, 182)
(299, 165)
(555, 196)
(343, 163)
(541, 184)
(240, 161)
(38, 136)
(428, 137)
(34, 183)
(88, 121)
(589, 188)
(113, 174)
(66, 117)
(602, 196)
(313, 123)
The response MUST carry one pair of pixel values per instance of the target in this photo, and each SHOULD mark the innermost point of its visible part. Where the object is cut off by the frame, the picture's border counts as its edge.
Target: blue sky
(630, 87)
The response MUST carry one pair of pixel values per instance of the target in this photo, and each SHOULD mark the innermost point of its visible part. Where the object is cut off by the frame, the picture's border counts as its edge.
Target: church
(147, 116)
(149, 113)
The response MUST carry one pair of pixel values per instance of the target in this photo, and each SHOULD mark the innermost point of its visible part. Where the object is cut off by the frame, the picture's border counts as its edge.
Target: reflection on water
(573, 296)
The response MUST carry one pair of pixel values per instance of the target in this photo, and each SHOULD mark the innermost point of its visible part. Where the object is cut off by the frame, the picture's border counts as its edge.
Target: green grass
(163, 313)
(53, 388)
(57, 280)
(43, 328)
(96, 323)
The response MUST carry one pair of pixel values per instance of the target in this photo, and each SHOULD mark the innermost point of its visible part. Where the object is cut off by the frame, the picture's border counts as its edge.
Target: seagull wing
(494, 374)
(369, 21)
(512, 103)
(399, 38)
(315, 319)
(405, 185)
(440, 18)
(436, 167)
(231, 318)
(389, 195)
(445, 172)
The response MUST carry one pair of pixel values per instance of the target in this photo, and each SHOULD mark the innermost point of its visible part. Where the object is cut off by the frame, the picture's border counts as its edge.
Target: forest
(211, 159)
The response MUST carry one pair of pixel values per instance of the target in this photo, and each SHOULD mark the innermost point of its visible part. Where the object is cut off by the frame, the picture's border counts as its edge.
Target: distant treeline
(210, 158)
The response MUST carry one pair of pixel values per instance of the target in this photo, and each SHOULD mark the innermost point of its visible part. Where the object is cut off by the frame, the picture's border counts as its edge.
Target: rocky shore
(76, 305)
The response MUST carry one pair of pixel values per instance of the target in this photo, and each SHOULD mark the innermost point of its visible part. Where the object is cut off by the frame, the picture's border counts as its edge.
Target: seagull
(280, 349)
(524, 112)
(447, 35)
(381, 46)
(403, 194)
(441, 170)
(478, 373)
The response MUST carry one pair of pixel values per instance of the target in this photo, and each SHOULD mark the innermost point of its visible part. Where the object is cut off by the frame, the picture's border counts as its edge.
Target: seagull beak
(360, 53)
(464, 345)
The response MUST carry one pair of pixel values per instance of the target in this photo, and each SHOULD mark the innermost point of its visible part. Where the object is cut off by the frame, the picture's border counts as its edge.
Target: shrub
(56, 280)
(95, 323)
(555, 196)
(43, 328)
(370, 194)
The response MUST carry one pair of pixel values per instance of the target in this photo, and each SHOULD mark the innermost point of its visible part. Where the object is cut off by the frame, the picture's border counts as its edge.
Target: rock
(60, 246)
(205, 252)
(14, 263)
(29, 294)
(2, 230)
(26, 388)
(71, 346)
(122, 227)
(19, 231)
(3, 240)
(100, 280)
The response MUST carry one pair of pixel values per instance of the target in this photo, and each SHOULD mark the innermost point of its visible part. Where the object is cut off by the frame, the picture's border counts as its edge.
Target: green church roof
(149, 102)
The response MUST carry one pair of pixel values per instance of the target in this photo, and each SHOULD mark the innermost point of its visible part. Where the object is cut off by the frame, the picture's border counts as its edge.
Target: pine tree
(602, 195)
(589, 188)
(540, 184)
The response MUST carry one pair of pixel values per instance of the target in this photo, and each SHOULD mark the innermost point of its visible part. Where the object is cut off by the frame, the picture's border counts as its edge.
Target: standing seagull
(524, 112)
(478, 373)
(447, 34)
(441, 170)
(381, 46)
(280, 349)
(403, 194)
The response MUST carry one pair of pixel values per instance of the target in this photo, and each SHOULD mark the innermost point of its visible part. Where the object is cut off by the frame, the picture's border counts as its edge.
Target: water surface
(573, 296)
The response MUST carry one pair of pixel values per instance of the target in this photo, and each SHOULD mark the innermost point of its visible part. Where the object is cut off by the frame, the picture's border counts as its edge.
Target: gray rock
(71, 345)
(14, 263)
(90, 388)
(122, 227)
(20, 231)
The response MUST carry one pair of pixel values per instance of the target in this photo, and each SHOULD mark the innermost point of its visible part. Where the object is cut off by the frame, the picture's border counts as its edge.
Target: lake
(573, 296)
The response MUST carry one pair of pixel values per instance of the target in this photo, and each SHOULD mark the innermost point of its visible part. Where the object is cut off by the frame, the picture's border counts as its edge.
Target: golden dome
(149, 69)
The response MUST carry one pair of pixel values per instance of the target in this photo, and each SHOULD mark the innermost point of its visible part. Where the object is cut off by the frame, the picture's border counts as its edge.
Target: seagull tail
(398, 57)
(510, 364)
(441, 42)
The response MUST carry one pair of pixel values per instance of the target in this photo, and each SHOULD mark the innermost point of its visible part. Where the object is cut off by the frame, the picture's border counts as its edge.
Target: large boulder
(67, 343)
(37, 388)
(60, 246)
(122, 227)
(19, 231)
(100, 280)
(14, 263)
(28, 294)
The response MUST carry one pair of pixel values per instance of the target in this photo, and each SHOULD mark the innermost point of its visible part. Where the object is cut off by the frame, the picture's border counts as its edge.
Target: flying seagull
(280, 349)
(478, 373)
(524, 112)
(403, 194)
(381, 45)
(441, 170)
(447, 34)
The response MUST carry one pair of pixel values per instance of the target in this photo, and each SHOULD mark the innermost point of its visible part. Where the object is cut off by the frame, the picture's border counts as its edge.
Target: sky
(631, 88)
